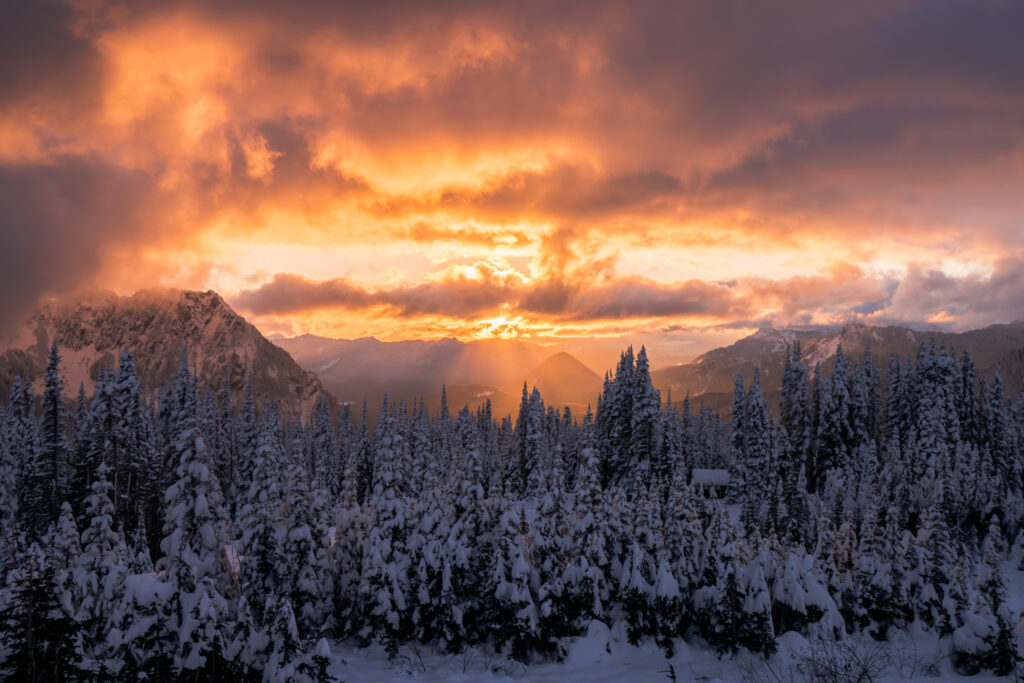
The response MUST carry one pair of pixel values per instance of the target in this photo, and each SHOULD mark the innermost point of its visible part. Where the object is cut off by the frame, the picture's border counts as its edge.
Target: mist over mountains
(496, 369)
(471, 372)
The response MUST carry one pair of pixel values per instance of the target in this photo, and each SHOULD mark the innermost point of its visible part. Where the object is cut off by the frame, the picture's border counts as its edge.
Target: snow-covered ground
(604, 655)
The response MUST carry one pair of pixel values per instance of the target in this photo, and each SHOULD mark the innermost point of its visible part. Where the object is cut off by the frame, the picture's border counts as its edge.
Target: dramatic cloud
(61, 218)
(488, 295)
(477, 169)
(484, 292)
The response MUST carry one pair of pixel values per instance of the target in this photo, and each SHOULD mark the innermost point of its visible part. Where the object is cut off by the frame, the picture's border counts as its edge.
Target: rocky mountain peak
(155, 324)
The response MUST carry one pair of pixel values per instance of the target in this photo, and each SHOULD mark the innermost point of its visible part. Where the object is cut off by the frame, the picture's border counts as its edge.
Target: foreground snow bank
(604, 655)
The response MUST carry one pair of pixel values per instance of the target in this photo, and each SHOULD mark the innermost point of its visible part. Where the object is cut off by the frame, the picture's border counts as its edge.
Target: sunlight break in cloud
(623, 177)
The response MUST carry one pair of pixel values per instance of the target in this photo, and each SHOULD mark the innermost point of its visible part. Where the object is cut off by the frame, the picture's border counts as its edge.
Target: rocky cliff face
(155, 324)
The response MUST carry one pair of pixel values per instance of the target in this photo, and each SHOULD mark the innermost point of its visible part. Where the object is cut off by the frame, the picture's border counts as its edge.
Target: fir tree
(39, 636)
(194, 562)
(100, 575)
(66, 547)
(51, 469)
(346, 553)
(587, 580)
(644, 430)
(385, 583)
(514, 615)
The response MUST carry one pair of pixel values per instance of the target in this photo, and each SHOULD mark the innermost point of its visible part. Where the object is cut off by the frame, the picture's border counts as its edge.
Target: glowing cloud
(663, 170)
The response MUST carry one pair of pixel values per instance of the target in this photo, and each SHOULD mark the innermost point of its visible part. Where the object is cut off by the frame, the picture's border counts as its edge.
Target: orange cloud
(587, 168)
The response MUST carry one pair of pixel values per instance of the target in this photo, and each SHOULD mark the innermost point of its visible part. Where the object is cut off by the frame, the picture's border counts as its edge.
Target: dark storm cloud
(293, 173)
(924, 295)
(59, 219)
(289, 293)
(490, 295)
(40, 56)
(634, 298)
(759, 123)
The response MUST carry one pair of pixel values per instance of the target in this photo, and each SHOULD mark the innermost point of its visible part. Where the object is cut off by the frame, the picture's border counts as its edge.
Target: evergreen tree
(285, 645)
(986, 639)
(637, 586)
(683, 537)
(39, 637)
(130, 451)
(587, 579)
(835, 433)
(615, 420)
(794, 412)
(65, 551)
(246, 435)
(533, 470)
(1003, 464)
(552, 554)
(737, 427)
(518, 468)
(674, 435)
(303, 569)
(385, 583)
(346, 553)
(262, 521)
(756, 631)
(226, 448)
(194, 564)
(514, 615)
(644, 430)
(51, 469)
(938, 571)
(23, 448)
(100, 575)
(363, 456)
(8, 499)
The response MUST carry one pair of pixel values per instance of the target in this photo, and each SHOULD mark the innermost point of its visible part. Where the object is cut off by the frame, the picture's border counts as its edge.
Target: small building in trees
(711, 479)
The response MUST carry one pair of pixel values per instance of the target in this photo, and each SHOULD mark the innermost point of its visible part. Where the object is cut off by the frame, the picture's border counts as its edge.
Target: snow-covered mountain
(155, 324)
(711, 376)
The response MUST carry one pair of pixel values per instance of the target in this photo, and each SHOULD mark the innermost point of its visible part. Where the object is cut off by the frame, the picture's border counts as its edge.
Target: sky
(580, 174)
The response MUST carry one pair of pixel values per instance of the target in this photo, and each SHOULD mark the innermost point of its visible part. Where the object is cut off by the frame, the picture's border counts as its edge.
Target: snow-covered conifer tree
(39, 637)
(385, 583)
(99, 574)
(194, 562)
(587, 579)
(514, 617)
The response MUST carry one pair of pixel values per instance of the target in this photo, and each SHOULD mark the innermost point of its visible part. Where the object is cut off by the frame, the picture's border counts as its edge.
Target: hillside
(711, 376)
(155, 324)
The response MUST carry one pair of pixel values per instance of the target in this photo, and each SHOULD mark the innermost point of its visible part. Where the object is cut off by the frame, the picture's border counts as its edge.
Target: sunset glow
(671, 173)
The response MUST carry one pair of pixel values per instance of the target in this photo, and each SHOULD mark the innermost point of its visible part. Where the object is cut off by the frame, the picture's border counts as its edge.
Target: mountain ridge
(367, 368)
(712, 375)
(155, 324)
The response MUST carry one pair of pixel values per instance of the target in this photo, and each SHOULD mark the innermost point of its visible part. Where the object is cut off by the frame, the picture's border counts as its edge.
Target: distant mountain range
(155, 324)
(711, 377)
(472, 372)
(496, 369)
